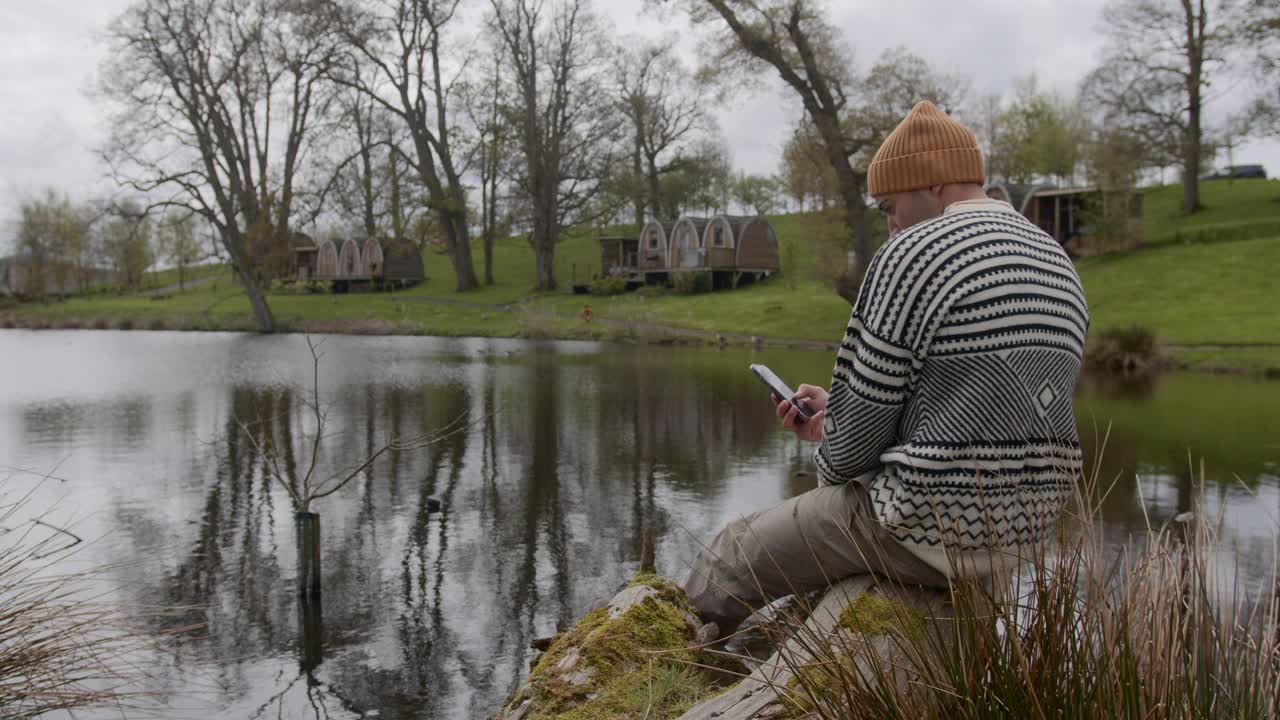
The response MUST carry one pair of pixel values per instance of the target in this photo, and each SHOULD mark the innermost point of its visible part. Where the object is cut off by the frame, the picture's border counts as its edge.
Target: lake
(156, 449)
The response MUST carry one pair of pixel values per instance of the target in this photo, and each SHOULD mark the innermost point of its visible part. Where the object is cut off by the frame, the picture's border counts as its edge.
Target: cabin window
(717, 237)
(653, 239)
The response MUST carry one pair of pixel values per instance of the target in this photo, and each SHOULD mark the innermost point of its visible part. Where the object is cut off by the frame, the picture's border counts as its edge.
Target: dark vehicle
(1236, 172)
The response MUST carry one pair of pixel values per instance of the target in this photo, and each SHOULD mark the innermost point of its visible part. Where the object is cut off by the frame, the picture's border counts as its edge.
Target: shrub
(609, 285)
(691, 283)
(1132, 350)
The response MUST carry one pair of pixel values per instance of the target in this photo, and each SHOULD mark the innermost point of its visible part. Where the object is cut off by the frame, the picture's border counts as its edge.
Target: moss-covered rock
(870, 614)
(629, 659)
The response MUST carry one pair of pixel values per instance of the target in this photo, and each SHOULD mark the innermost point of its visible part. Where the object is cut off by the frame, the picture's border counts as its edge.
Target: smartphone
(780, 389)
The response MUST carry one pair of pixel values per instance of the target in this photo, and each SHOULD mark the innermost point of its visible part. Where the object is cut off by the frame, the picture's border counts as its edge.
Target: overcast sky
(50, 52)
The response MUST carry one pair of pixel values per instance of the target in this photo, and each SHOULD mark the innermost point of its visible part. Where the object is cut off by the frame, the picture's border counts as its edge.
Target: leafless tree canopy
(1153, 78)
(556, 56)
(666, 111)
(213, 106)
(849, 112)
(407, 46)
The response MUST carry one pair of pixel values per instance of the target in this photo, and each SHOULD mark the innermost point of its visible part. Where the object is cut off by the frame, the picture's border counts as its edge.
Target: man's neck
(957, 193)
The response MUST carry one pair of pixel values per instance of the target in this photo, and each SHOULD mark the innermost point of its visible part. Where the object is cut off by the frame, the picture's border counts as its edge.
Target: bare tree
(406, 43)
(805, 172)
(353, 184)
(665, 108)
(371, 186)
(213, 104)
(794, 37)
(556, 55)
(851, 114)
(490, 154)
(1154, 75)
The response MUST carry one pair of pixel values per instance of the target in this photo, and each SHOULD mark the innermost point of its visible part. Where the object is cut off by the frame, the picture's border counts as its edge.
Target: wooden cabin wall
(349, 264)
(327, 264)
(373, 261)
(653, 248)
(758, 247)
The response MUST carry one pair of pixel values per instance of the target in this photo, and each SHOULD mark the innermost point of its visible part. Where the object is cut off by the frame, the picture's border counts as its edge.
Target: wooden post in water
(648, 563)
(310, 633)
(307, 528)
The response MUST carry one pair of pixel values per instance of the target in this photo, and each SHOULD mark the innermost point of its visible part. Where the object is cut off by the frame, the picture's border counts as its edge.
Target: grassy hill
(1233, 210)
(1206, 279)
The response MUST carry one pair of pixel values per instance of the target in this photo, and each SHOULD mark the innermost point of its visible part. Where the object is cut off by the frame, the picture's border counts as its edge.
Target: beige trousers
(802, 544)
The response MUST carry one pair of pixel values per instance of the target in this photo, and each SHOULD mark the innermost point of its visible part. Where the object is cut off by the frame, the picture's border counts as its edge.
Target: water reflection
(570, 453)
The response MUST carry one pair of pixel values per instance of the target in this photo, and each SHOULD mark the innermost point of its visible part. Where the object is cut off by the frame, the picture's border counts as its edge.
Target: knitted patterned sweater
(951, 395)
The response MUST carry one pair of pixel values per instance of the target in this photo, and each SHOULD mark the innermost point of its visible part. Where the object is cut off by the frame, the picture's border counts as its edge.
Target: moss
(877, 615)
(634, 665)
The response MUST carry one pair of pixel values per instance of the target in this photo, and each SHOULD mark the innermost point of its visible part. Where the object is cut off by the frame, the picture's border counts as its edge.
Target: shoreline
(1258, 360)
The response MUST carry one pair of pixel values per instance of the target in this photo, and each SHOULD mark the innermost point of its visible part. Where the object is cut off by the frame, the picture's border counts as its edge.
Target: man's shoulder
(964, 227)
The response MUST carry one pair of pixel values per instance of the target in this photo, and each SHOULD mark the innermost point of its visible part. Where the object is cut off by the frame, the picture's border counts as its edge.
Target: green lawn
(1188, 293)
(165, 278)
(1224, 293)
(1239, 209)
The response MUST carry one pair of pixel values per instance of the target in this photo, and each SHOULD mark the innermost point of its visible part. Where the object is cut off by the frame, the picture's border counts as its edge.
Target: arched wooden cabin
(350, 265)
(327, 261)
(751, 240)
(402, 263)
(367, 262)
(734, 249)
(686, 244)
(653, 253)
(371, 258)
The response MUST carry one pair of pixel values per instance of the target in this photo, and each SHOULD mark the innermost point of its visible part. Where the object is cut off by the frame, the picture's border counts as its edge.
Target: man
(947, 443)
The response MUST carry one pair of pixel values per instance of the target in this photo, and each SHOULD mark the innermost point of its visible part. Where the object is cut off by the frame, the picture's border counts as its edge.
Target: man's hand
(814, 397)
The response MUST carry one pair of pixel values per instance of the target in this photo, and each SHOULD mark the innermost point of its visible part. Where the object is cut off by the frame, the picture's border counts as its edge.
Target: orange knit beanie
(927, 148)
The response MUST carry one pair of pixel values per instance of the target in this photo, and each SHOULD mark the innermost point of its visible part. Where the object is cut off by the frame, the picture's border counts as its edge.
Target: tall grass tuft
(62, 647)
(1153, 628)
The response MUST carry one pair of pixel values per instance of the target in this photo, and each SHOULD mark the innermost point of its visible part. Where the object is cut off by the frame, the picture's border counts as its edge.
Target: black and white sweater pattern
(952, 391)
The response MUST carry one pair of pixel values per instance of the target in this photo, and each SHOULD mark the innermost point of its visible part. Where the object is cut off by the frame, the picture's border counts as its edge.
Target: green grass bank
(1203, 284)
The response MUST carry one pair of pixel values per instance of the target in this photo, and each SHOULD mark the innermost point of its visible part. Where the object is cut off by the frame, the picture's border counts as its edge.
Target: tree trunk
(397, 208)
(852, 191)
(655, 189)
(366, 191)
(1191, 145)
(257, 300)
(488, 257)
(490, 226)
(544, 252)
(638, 198)
(453, 224)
